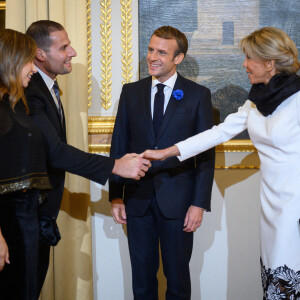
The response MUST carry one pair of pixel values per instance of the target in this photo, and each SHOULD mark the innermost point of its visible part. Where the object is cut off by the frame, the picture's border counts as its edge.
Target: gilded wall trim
(106, 53)
(105, 125)
(101, 125)
(235, 167)
(89, 51)
(236, 146)
(126, 40)
(220, 148)
(104, 149)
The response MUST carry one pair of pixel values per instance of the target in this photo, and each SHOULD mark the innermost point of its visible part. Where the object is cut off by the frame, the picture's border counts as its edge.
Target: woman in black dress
(22, 170)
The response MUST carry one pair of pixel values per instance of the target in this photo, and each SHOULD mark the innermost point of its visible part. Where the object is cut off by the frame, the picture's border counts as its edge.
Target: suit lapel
(44, 89)
(172, 105)
(41, 83)
(146, 98)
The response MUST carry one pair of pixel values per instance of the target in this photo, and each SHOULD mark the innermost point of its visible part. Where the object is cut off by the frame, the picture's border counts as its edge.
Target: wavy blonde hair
(16, 50)
(270, 43)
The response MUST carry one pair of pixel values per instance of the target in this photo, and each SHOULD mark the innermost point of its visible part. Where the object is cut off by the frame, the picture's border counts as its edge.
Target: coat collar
(170, 110)
(39, 81)
(146, 98)
(172, 105)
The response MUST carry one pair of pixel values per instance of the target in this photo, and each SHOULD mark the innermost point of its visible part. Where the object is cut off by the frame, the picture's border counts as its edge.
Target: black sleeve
(119, 145)
(61, 155)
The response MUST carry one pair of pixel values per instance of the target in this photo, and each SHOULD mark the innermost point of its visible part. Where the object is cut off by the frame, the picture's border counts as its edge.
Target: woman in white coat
(272, 117)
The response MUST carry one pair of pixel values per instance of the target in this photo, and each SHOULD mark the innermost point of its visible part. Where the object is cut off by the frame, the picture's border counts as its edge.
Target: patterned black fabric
(281, 283)
(268, 97)
(22, 163)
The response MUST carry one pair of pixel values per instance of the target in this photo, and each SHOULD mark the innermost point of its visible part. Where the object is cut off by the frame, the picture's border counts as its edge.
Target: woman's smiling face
(258, 71)
(26, 73)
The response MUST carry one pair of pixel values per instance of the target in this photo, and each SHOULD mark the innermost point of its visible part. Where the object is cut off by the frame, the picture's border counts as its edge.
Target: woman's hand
(4, 255)
(161, 154)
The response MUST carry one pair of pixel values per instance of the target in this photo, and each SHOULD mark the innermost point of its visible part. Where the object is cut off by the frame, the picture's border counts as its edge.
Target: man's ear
(40, 54)
(179, 58)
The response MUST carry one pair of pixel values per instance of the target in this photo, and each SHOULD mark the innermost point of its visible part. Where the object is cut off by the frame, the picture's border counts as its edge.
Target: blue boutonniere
(178, 94)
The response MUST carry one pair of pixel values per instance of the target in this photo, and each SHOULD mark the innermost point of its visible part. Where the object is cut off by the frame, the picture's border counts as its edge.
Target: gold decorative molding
(126, 40)
(2, 5)
(237, 167)
(99, 148)
(106, 53)
(105, 125)
(105, 148)
(236, 146)
(89, 51)
(221, 146)
(101, 125)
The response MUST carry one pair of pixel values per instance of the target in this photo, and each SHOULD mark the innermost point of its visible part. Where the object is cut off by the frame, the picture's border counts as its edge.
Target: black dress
(22, 176)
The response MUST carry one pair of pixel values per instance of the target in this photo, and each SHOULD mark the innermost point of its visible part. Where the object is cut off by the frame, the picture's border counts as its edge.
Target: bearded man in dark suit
(53, 57)
(166, 206)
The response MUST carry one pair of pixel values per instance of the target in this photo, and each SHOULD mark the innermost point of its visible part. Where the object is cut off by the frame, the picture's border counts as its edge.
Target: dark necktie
(158, 111)
(56, 92)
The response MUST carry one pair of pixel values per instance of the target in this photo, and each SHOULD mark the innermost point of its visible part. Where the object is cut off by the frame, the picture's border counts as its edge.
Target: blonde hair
(16, 50)
(270, 43)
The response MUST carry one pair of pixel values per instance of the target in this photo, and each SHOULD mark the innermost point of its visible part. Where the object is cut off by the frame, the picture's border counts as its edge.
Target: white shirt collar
(169, 83)
(48, 80)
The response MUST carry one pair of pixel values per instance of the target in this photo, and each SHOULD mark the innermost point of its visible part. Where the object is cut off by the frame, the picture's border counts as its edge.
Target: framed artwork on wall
(214, 29)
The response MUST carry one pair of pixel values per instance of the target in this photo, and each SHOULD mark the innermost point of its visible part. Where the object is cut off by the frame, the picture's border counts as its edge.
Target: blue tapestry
(214, 29)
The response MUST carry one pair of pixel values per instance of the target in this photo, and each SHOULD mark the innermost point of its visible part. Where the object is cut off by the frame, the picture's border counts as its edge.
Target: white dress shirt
(169, 85)
(49, 83)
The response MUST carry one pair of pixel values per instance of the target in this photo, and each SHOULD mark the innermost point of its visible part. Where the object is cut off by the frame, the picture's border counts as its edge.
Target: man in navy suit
(166, 206)
(53, 57)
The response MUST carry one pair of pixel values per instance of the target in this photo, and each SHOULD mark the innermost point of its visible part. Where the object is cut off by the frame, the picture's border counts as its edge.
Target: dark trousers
(19, 226)
(144, 235)
(43, 264)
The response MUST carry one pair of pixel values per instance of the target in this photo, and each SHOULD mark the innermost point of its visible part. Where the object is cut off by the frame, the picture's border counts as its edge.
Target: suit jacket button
(156, 148)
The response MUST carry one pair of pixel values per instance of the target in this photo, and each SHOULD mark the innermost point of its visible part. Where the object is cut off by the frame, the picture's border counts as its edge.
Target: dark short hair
(40, 31)
(168, 32)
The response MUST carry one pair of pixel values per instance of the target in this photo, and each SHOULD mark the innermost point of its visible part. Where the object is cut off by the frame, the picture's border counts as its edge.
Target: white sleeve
(298, 108)
(234, 124)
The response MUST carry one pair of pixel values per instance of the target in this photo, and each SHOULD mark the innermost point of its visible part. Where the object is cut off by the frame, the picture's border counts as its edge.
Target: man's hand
(118, 211)
(4, 255)
(131, 165)
(193, 218)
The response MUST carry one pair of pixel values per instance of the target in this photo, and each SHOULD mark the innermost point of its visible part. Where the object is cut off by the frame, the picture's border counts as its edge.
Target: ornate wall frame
(103, 126)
